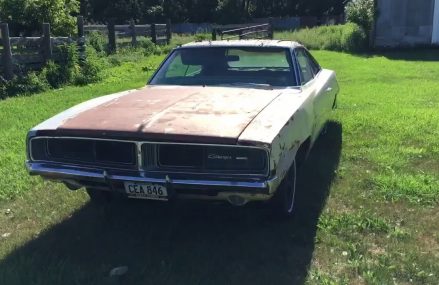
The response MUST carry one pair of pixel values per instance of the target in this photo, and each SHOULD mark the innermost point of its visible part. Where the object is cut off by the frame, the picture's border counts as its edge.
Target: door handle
(329, 89)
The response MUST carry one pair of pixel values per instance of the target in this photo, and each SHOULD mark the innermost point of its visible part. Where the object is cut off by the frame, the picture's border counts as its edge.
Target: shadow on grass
(421, 54)
(414, 54)
(185, 242)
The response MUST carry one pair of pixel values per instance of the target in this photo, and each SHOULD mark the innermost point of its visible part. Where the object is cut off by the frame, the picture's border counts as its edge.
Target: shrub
(23, 85)
(97, 41)
(349, 37)
(53, 75)
(149, 48)
(202, 37)
(90, 69)
(58, 75)
(362, 13)
(353, 38)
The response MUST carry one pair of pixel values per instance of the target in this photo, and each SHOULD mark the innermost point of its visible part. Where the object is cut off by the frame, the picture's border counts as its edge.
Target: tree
(362, 13)
(220, 11)
(26, 16)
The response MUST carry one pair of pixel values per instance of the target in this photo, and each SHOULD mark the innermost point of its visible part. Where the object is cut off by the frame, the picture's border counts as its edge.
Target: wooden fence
(33, 52)
(244, 31)
(159, 33)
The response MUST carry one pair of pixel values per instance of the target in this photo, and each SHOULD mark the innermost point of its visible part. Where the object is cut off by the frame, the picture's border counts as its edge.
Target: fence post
(213, 34)
(153, 34)
(133, 33)
(81, 37)
(46, 43)
(7, 53)
(168, 31)
(111, 37)
(270, 28)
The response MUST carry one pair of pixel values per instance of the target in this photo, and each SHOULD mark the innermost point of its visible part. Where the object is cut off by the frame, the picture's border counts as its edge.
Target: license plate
(146, 191)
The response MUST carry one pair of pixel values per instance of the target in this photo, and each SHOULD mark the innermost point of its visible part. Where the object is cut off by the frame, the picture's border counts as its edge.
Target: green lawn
(367, 213)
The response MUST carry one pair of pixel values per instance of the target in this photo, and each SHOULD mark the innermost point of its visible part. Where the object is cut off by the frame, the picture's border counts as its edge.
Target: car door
(320, 84)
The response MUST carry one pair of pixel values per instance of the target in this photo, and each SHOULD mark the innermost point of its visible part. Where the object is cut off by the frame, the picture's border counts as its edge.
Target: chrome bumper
(106, 179)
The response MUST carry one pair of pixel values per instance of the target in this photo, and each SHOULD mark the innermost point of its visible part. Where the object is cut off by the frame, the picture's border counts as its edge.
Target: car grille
(210, 159)
(85, 151)
(156, 157)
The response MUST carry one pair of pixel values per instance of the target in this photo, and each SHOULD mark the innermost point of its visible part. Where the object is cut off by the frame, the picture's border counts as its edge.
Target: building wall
(436, 24)
(404, 22)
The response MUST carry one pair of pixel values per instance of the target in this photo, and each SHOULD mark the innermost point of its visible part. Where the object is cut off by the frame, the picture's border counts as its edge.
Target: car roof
(244, 43)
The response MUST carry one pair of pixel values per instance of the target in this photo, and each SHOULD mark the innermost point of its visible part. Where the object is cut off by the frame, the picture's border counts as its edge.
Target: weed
(418, 188)
(349, 37)
(362, 222)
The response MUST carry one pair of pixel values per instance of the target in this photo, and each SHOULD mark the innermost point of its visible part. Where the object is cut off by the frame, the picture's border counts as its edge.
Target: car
(219, 120)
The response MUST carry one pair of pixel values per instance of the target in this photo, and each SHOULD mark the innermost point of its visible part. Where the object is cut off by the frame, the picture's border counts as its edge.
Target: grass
(367, 212)
(348, 37)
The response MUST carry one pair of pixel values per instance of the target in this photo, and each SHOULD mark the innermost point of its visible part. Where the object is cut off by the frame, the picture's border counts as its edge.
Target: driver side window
(306, 69)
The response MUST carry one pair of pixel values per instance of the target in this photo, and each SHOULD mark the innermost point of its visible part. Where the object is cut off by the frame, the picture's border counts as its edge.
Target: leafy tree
(361, 12)
(26, 16)
(220, 11)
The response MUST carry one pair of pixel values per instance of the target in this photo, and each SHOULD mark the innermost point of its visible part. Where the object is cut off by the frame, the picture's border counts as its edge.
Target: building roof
(244, 43)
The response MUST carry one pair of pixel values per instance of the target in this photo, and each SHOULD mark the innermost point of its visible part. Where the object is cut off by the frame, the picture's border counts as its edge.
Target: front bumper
(193, 186)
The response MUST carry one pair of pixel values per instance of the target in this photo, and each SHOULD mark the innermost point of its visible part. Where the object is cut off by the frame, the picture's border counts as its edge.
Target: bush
(58, 75)
(97, 41)
(362, 13)
(23, 85)
(202, 37)
(90, 69)
(349, 37)
(149, 48)
(71, 71)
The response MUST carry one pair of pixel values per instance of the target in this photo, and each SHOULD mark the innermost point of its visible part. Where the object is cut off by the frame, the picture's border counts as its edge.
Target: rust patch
(174, 112)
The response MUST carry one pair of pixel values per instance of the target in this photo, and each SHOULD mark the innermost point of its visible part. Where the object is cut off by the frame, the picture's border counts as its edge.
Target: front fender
(286, 144)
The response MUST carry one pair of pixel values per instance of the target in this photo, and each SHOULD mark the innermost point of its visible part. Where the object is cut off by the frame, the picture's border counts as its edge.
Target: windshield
(223, 66)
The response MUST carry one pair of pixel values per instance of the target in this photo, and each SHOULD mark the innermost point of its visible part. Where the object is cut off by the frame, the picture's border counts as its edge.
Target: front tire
(285, 196)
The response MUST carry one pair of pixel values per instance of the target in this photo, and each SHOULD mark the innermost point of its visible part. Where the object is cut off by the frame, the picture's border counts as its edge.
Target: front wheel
(285, 195)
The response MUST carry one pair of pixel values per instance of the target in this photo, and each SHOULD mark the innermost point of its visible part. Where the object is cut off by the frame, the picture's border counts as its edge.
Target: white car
(223, 120)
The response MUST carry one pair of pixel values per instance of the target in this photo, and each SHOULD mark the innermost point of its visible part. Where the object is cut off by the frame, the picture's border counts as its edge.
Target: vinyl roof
(244, 43)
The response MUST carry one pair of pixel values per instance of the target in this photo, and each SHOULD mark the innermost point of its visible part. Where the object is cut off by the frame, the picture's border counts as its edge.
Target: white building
(407, 23)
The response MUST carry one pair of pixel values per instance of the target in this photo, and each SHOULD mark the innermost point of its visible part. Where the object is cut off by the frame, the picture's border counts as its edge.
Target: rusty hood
(175, 113)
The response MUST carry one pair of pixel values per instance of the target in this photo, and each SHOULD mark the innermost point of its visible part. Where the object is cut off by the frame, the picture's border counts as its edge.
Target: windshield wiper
(255, 85)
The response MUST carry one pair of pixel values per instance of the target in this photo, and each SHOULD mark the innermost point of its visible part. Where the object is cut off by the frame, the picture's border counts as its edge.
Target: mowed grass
(367, 211)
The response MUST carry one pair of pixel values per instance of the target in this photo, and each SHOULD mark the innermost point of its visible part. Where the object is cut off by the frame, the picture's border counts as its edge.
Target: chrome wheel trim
(291, 191)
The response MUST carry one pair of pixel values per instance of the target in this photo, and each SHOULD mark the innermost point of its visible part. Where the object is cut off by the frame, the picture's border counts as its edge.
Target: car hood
(175, 113)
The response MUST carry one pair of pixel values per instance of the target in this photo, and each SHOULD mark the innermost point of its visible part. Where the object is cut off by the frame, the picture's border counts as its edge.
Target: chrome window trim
(296, 67)
(140, 162)
(168, 57)
(299, 71)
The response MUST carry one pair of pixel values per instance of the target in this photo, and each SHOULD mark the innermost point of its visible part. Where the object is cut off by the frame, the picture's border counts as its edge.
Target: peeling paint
(221, 113)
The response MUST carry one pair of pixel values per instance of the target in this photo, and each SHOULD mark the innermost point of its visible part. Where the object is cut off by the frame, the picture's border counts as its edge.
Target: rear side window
(314, 65)
(306, 68)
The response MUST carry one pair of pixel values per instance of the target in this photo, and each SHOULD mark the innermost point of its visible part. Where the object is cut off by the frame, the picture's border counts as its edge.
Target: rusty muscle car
(221, 120)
